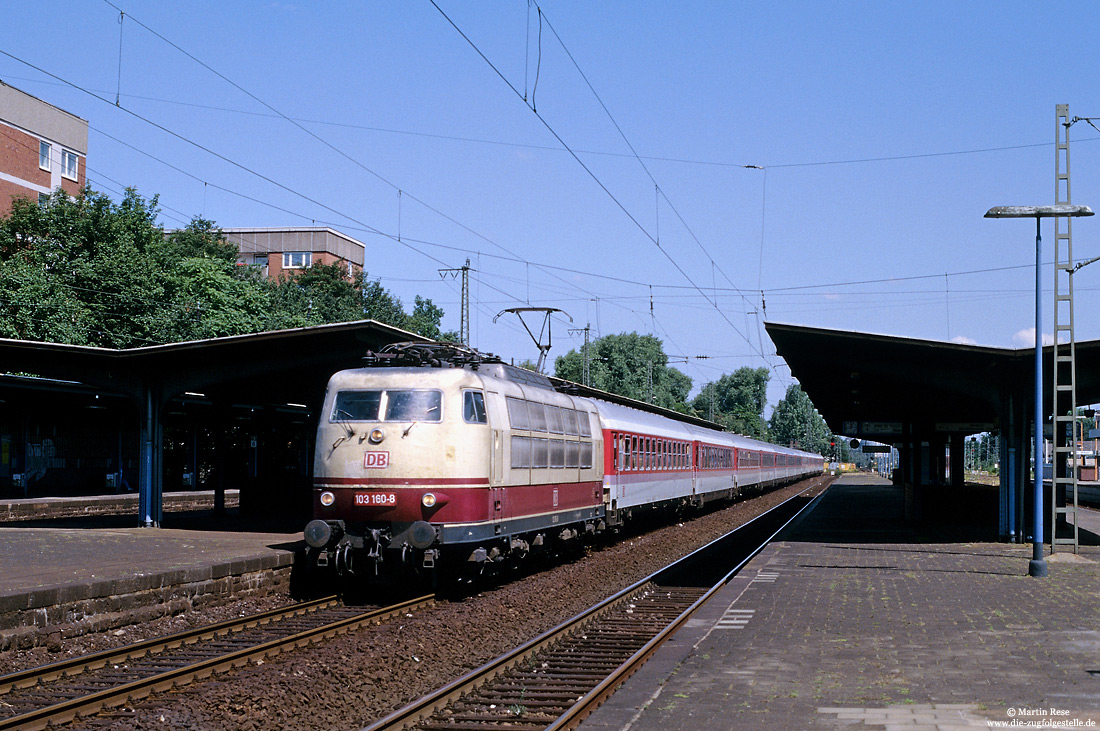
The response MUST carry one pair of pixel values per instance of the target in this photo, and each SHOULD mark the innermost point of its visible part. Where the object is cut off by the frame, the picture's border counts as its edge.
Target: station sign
(872, 427)
(964, 427)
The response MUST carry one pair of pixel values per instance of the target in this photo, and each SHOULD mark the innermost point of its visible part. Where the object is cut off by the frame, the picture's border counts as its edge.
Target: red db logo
(376, 460)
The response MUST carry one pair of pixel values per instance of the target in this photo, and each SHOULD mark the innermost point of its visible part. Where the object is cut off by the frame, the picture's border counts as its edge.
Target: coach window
(517, 413)
(473, 407)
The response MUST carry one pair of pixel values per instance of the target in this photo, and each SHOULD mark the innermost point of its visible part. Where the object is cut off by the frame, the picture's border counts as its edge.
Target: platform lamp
(1038, 565)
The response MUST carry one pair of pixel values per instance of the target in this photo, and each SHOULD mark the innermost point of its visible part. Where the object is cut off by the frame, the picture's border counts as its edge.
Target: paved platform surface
(854, 619)
(57, 562)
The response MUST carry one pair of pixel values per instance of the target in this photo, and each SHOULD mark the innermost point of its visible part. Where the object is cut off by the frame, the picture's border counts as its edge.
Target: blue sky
(825, 164)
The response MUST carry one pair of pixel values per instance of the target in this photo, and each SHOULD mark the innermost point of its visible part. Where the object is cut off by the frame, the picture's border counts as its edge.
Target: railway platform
(854, 618)
(66, 576)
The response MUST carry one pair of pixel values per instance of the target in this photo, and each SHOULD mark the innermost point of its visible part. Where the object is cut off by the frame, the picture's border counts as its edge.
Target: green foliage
(88, 271)
(630, 365)
(795, 422)
(736, 401)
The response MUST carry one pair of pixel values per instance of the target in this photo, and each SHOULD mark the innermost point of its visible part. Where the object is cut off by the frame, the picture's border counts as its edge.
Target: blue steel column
(149, 482)
(145, 479)
(1038, 565)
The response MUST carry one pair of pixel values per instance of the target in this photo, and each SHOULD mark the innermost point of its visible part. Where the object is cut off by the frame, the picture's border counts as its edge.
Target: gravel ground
(355, 679)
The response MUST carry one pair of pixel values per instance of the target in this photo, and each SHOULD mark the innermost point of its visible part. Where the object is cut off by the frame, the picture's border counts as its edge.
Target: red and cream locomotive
(435, 453)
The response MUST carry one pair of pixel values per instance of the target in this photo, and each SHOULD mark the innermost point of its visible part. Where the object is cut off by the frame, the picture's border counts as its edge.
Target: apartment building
(41, 148)
(281, 251)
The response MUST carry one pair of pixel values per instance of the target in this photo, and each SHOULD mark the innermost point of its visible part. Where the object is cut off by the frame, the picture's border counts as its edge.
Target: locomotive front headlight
(376, 436)
(428, 500)
(327, 499)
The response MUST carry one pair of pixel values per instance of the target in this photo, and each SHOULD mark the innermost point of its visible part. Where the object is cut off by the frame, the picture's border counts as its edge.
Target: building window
(43, 199)
(43, 155)
(259, 260)
(297, 259)
(68, 164)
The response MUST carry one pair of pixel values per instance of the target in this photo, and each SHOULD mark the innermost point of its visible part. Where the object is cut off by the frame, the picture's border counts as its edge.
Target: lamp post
(1038, 565)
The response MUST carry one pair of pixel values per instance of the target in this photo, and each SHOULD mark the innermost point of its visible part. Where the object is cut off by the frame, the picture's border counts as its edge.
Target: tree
(736, 401)
(85, 270)
(795, 422)
(630, 365)
(87, 259)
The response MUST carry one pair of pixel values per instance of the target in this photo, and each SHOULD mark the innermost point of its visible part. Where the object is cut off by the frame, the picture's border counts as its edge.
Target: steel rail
(423, 708)
(95, 660)
(594, 698)
(67, 710)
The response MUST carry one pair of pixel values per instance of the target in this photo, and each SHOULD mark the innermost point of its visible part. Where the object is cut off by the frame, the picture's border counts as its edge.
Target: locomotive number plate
(376, 498)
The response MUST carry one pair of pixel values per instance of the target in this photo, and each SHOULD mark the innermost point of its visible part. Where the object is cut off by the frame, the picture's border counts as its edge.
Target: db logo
(376, 460)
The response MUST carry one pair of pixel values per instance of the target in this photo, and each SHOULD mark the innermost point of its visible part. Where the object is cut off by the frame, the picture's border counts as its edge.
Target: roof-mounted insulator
(428, 355)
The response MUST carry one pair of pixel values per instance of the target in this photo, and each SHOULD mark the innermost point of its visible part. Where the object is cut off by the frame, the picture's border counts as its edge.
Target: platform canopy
(867, 385)
(272, 362)
(267, 367)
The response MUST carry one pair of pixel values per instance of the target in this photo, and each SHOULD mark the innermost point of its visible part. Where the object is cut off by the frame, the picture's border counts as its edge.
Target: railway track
(60, 692)
(557, 679)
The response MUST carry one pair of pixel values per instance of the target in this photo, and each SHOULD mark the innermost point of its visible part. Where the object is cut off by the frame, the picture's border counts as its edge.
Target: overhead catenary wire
(591, 174)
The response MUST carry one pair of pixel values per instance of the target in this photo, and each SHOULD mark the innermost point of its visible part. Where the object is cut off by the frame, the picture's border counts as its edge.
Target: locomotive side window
(517, 413)
(356, 406)
(521, 452)
(473, 407)
(414, 405)
(569, 419)
(572, 454)
(586, 454)
(538, 416)
(557, 453)
(540, 453)
(585, 426)
(554, 420)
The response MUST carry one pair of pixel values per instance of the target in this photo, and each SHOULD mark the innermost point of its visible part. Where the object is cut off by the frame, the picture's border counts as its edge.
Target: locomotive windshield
(396, 404)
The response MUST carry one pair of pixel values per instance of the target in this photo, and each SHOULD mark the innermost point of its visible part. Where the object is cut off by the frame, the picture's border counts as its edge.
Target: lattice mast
(1063, 503)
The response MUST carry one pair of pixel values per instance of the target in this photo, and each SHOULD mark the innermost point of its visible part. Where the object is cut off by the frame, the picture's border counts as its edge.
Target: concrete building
(42, 148)
(284, 250)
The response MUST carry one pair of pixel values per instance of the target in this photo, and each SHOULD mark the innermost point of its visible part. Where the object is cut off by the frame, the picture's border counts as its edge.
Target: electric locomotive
(435, 448)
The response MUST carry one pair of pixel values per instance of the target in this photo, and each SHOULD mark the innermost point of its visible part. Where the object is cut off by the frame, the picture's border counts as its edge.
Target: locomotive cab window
(473, 407)
(414, 405)
(356, 406)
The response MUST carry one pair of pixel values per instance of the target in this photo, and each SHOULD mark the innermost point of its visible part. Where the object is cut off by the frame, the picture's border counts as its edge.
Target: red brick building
(284, 250)
(41, 148)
